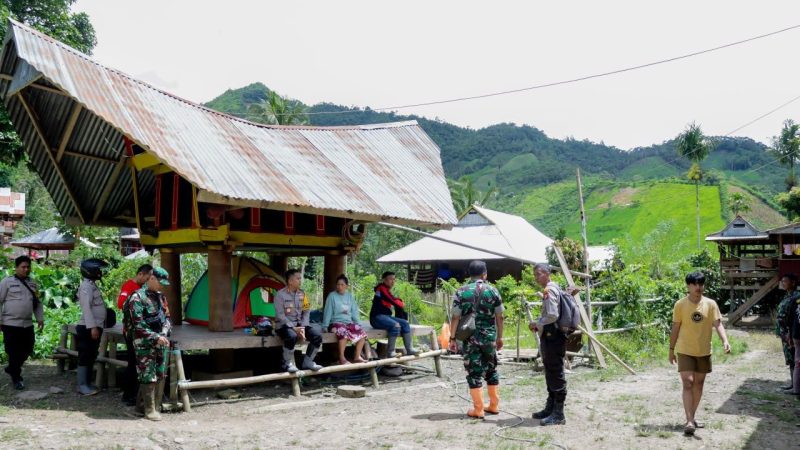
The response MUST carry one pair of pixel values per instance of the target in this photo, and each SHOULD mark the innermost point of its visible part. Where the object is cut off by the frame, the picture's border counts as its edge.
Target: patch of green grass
(627, 218)
(648, 431)
(760, 395)
(15, 433)
(4, 410)
(651, 204)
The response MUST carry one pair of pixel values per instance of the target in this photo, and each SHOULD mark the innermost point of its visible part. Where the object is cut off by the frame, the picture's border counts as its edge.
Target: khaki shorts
(699, 364)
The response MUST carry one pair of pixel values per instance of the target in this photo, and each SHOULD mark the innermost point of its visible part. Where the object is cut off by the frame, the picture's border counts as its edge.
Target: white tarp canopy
(480, 227)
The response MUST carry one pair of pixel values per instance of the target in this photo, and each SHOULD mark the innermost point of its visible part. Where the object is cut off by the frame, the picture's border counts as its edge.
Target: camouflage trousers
(151, 363)
(480, 361)
(788, 355)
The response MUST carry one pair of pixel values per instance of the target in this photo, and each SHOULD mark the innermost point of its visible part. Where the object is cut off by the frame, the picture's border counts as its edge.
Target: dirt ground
(742, 408)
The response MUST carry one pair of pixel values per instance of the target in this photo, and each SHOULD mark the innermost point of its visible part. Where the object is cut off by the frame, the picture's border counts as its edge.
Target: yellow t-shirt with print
(697, 321)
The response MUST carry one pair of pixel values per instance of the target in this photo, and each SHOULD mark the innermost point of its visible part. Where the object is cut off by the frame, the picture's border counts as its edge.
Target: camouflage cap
(161, 275)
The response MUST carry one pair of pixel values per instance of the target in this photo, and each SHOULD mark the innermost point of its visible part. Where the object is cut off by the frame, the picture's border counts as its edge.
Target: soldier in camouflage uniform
(480, 349)
(148, 325)
(782, 328)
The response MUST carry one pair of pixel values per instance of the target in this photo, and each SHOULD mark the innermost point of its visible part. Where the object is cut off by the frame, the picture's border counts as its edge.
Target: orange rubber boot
(494, 399)
(477, 403)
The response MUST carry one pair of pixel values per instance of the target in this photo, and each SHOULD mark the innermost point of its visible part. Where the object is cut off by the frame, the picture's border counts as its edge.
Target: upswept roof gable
(390, 172)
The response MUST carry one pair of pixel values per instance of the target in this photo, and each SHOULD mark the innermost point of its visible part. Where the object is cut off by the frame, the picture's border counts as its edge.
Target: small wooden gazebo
(49, 240)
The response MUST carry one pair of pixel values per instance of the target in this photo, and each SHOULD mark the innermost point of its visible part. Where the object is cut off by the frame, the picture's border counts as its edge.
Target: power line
(763, 115)
(563, 82)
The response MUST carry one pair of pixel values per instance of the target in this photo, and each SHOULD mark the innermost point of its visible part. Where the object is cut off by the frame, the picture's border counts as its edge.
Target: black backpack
(569, 314)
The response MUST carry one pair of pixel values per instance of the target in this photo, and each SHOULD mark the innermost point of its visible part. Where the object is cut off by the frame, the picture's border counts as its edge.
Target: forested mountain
(516, 158)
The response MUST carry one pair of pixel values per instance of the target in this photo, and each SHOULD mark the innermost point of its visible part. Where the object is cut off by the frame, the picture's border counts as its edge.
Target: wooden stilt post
(62, 343)
(437, 360)
(296, 386)
(334, 266)
(173, 377)
(112, 354)
(373, 373)
(100, 380)
(587, 322)
(73, 346)
(182, 377)
(585, 247)
(220, 302)
(171, 262)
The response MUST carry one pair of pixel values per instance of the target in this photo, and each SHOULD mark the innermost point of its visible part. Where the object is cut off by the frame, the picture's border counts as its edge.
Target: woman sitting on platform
(341, 318)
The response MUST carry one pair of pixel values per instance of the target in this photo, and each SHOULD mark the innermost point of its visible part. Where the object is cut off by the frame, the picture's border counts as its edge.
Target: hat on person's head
(161, 275)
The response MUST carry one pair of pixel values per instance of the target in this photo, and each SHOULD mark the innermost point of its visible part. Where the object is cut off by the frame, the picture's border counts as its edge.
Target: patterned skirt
(350, 331)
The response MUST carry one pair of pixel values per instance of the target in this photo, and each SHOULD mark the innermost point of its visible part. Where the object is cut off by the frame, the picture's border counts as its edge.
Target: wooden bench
(191, 337)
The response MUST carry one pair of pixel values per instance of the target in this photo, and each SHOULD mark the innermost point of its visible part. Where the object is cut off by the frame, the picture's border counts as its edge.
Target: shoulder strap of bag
(33, 294)
(478, 294)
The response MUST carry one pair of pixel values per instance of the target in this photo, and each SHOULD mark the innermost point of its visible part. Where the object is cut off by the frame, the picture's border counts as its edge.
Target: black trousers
(289, 336)
(19, 346)
(130, 386)
(87, 347)
(554, 347)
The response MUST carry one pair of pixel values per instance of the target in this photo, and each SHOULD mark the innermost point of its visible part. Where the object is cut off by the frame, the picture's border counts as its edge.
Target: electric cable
(558, 83)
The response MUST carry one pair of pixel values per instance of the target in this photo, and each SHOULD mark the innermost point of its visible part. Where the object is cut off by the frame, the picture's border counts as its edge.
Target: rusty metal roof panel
(387, 172)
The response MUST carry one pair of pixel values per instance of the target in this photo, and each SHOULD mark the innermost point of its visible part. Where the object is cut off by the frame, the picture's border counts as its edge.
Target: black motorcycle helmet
(92, 268)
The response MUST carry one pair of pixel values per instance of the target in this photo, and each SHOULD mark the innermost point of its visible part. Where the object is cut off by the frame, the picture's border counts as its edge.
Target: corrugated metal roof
(51, 239)
(738, 229)
(391, 172)
(504, 233)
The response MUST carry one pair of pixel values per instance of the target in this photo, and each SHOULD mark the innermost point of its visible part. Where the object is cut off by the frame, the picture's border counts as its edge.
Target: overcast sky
(379, 53)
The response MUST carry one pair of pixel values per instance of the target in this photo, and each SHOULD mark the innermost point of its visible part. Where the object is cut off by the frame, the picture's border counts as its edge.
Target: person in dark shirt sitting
(380, 315)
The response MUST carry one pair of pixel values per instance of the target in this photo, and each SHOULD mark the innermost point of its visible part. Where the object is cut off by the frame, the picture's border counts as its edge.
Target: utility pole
(585, 246)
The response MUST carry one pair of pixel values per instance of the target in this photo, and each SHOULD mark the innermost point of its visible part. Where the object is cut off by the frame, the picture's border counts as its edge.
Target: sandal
(689, 429)
(699, 425)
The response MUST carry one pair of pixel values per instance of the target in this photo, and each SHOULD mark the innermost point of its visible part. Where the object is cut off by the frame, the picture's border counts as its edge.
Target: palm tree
(694, 146)
(465, 195)
(277, 110)
(785, 146)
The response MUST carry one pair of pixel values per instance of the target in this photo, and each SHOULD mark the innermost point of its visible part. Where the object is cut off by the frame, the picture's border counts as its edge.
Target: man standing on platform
(148, 326)
(480, 350)
(693, 318)
(131, 385)
(292, 312)
(553, 346)
(18, 303)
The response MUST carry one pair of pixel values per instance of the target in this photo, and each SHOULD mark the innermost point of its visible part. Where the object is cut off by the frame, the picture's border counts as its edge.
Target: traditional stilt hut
(115, 151)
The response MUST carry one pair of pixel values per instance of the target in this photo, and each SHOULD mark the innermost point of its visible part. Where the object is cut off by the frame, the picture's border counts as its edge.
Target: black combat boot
(548, 408)
(557, 416)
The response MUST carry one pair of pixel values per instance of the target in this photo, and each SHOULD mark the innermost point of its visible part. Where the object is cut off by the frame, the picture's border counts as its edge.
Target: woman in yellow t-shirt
(693, 318)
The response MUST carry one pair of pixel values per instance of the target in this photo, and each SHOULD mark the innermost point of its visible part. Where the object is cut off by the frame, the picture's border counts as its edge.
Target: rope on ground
(498, 431)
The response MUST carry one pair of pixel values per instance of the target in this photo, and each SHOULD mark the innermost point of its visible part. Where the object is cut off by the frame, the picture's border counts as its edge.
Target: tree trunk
(697, 202)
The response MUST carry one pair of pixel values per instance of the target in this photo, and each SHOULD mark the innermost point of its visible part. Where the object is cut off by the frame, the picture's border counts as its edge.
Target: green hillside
(629, 211)
(628, 193)
(517, 158)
